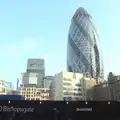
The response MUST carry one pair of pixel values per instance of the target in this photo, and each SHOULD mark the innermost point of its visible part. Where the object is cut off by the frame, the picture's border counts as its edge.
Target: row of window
(35, 96)
(67, 84)
(36, 99)
(28, 89)
(74, 94)
(37, 93)
(65, 79)
(35, 71)
(75, 89)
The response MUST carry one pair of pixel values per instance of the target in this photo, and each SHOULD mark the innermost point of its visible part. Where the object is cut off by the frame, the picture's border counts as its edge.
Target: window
(78, 85)
(78, 94)
(65, 79)
(67, 93)
(23, 89)
(79, 89)
(67, 84)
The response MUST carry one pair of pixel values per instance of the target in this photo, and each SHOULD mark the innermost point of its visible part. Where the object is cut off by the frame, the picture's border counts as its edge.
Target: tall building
(33, 79)
(69, 86)
(35, 73)
(83, 49)
(47, 81)
(36, 66)
(32, 87)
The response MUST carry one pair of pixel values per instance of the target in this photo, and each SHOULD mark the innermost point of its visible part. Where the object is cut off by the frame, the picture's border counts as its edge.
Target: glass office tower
(83, 50)
(34, 76)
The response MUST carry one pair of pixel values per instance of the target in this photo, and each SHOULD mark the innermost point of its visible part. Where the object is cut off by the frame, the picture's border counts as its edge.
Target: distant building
(35, 73)
(36, 66)
(13, 92)
(69, 86)
(33, 79)
(116, 77)
(5, 87)
(34, 93)
(87, 83)
(47, 81)
(105, 91)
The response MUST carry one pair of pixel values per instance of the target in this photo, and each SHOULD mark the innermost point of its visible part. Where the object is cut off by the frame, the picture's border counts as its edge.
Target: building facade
(13, 92)
(87, 84)
(36, 66)
(33, 79)
(68, 86)
(5, 87)
(47, 81)
(35, 73)
(83, 49)
(105, 91)
(34, 93)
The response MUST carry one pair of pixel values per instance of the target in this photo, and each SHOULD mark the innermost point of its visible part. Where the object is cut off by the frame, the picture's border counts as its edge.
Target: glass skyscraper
(35, 73)
(83, 50)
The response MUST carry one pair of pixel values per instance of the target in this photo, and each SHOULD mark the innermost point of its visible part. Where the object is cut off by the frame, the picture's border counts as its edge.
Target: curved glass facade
(83, 50)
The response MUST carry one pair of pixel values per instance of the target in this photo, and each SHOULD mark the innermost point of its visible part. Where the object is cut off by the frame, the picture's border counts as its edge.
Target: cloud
(21, 48)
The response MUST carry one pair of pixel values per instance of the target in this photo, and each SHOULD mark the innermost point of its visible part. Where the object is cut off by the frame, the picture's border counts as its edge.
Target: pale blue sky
(39, 28)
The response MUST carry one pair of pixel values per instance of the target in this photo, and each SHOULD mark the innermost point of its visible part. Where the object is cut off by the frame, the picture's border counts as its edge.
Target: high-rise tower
(35, 73)
(83, 49)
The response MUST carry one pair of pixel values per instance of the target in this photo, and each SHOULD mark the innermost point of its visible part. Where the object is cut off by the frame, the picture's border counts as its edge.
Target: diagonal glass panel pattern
(78, 53)
(83, 44)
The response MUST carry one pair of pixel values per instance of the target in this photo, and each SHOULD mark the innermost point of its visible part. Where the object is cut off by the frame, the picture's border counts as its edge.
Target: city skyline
(34, 32)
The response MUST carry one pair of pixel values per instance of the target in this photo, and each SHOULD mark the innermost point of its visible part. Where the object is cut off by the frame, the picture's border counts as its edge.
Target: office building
(34, 93)
(35, 73)
(32, 79)
(68, 86)
(36, 66)
(83, 49)
(87, 83)
(105, 91)
(5, 87)
(47, 81)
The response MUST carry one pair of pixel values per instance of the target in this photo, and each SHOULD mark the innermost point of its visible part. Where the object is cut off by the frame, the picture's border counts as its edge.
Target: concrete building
(105, 91)
(32, 79)
(69, 86)
(87, 83)
(35, 73)
(34, 93)
(5, 87)
(47, 81)
(32, 84)
(12, 92)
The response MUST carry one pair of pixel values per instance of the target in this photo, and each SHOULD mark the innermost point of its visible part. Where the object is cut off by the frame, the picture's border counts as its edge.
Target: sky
(39, 29)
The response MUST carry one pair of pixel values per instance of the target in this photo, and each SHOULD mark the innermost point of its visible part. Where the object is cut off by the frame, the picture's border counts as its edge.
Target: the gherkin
(83, 49)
